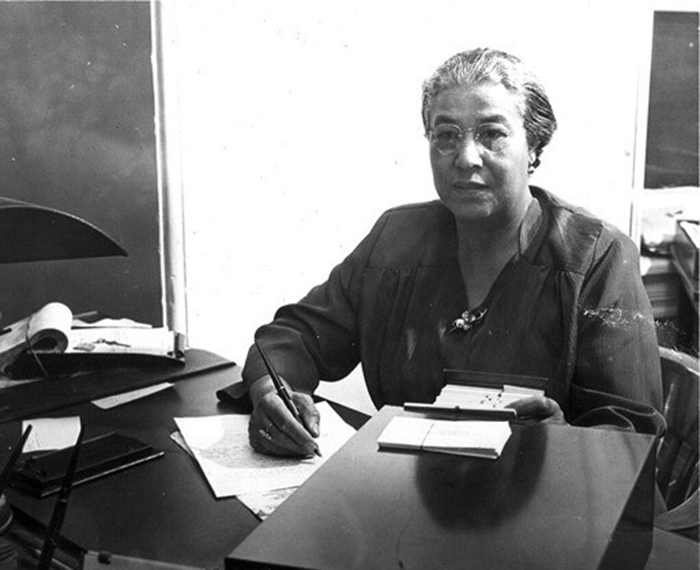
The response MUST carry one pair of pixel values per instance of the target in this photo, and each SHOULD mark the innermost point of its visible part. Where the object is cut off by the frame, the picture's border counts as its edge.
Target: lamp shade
(29, 232)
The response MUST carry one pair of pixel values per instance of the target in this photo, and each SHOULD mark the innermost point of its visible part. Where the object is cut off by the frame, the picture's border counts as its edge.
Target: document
(51, 433)
(220, 445)
(264, 503)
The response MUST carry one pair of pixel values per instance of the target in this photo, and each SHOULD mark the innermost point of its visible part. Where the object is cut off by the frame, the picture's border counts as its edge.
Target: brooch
(467, 320)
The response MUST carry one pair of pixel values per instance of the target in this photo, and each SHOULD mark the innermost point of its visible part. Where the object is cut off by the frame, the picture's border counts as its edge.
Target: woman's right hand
(273, 429)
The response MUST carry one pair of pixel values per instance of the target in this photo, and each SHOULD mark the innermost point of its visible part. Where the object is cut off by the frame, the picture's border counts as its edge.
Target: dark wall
(77, 134)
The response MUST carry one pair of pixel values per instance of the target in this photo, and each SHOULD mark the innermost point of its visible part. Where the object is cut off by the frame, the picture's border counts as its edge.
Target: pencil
(282, 390)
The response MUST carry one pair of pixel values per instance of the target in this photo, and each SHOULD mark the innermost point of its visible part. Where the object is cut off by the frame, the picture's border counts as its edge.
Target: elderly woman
(495, 276)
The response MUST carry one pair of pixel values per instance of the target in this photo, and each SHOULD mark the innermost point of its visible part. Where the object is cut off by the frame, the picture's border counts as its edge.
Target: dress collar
(532, 222)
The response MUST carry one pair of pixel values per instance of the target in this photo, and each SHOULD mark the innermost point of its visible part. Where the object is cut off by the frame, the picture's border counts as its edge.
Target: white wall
(300, 123)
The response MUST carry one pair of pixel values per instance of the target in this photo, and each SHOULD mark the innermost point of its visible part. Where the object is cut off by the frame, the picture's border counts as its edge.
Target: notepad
(469, 438)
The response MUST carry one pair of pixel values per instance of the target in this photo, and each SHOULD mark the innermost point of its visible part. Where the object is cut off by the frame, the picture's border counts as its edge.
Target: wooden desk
(164, 510)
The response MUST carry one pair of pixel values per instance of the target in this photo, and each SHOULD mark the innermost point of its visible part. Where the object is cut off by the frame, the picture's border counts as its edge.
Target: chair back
(677, 462)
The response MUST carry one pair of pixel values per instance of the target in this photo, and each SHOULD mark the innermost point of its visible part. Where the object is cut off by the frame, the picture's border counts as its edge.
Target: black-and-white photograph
(349, 285)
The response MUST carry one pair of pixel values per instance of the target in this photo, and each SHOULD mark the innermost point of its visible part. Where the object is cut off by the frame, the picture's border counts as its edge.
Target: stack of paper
(470, 438)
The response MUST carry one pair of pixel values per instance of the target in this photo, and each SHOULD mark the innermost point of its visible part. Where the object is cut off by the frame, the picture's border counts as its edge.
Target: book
(468, 438)
(480, 395)
(53, 341)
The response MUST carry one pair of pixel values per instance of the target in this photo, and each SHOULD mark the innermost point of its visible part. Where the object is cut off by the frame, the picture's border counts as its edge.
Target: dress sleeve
(317, 338)
(617, 380)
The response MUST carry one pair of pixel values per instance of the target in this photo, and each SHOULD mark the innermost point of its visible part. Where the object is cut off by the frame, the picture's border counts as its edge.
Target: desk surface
(558, 497)
(164, 510)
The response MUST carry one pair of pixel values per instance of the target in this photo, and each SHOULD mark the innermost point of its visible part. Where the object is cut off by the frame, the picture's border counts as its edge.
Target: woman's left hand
(539, 408)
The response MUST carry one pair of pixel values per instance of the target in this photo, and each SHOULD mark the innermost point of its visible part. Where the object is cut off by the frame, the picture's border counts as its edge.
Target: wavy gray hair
(486, 65)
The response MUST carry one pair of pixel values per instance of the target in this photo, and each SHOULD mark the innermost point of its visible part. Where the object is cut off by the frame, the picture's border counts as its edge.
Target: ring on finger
(265, 433)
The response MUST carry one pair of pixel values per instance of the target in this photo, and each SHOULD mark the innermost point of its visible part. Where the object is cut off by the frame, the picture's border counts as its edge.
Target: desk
(164, 510)
(558, 497)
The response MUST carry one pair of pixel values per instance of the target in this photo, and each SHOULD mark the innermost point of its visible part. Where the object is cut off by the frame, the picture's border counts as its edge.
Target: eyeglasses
(447, 138)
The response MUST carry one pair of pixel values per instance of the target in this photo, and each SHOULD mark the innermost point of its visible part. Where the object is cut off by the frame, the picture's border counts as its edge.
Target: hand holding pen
(281, 424)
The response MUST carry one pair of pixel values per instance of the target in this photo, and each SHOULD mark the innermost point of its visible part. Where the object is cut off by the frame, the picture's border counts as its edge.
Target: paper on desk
(126, 397)
(263, 503)
(232, 467)
(51, 433)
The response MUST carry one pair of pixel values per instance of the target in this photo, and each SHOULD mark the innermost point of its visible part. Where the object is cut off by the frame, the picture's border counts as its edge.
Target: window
(672, 128)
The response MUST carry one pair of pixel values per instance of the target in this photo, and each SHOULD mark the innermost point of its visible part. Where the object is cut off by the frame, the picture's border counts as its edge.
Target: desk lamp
(29, 232)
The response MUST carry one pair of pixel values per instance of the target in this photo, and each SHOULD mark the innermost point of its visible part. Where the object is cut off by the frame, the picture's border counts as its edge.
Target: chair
(683, 519)
(677, 461)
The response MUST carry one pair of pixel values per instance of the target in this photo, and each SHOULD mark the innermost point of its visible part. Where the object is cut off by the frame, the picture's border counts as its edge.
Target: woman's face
(479, 154)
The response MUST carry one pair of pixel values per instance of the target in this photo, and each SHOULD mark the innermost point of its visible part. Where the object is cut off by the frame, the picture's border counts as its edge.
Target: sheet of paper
(158, 341)
(51, 433)
(119, 399)
(262, 504)
(79, 323)
(176, 436)
(232, 467)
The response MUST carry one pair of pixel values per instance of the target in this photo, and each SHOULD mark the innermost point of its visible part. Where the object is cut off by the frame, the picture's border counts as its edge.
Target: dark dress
(570, 306)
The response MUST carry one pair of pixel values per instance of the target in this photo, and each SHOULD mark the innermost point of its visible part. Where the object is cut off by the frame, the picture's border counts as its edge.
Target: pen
(103, 560)
(282, 391)
(59, 511)
(457, 412)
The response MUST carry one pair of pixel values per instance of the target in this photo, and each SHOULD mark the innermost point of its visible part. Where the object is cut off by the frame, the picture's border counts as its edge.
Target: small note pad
(468, 438)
